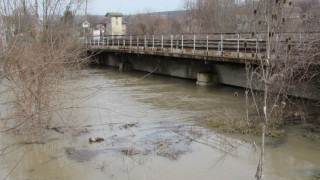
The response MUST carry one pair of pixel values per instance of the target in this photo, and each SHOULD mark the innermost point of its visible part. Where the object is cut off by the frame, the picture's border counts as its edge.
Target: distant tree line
(223, 16)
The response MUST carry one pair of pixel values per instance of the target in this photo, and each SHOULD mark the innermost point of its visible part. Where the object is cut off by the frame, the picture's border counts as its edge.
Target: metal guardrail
(218, 45)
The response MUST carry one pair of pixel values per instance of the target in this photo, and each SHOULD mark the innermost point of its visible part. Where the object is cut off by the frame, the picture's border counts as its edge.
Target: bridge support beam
(125, 66)
(207, 79)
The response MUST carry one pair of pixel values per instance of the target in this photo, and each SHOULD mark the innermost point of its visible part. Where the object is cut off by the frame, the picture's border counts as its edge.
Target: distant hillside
(164, 13)
(169, 13)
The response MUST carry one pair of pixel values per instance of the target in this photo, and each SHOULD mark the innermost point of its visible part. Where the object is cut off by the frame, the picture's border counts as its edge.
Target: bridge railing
(218, 45)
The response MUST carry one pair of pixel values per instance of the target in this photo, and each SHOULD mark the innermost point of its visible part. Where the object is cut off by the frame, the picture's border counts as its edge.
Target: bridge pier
(207, 79)
(125, 66)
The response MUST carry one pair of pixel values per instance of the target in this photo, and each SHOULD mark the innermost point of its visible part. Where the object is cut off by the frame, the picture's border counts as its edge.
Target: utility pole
(85, 24)
(2, 32)
(85, 16)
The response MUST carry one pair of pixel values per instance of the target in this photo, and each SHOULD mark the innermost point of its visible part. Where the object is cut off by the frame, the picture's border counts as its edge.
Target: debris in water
(126, 126)
(97, 139)
(80, 132)
(59, 129)
(173, 154)
(163, 144)
(132, 151)
(81, 155)
(32, 142)
(70, 150)
(128, 151)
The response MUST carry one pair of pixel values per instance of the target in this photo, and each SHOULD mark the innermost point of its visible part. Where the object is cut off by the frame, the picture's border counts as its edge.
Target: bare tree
(309, 10)
(212, 16)
(148, 23)
(34, 65)
(287, 66)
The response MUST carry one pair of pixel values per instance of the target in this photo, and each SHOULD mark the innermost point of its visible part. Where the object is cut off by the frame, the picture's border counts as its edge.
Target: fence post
(99, 42)
(130, 42)
(177, 44)
(108, 41)
(152, 42)
(207, 45)
(162, 42)
(137, 43)
(145, 42)
(171, 43)
(257, 44)
(238, 46)
(112, 42)
(182, 44)
(124, 42)
(221, 44)
(194, 44)
(118, 42)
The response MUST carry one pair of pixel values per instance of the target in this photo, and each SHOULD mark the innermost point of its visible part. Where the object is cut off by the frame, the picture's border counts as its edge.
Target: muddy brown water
(151, 131)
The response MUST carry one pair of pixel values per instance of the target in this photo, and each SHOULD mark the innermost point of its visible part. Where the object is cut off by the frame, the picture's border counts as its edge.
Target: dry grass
(232, 121)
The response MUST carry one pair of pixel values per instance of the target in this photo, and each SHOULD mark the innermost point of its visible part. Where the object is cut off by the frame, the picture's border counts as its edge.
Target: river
(151, 128)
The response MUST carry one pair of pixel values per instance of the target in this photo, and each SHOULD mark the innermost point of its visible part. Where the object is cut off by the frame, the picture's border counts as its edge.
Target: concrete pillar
(206, 79)
(125, 66)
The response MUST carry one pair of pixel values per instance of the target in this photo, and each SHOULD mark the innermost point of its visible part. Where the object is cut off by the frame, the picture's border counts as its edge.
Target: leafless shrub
(148, 23)
(211, 16)
(287, 68)
(37, 60)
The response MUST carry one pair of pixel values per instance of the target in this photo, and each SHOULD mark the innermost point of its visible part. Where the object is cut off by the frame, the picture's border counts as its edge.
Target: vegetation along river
(152, 129)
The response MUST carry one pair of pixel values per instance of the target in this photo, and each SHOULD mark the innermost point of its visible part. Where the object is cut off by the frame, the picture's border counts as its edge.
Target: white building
(114, 24)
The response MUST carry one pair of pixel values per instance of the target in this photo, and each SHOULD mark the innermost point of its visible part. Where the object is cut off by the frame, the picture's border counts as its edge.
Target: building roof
(103, 20)
(114, 14)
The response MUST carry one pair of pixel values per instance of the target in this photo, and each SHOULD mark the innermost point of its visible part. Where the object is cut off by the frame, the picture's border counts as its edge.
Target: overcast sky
(127, 7)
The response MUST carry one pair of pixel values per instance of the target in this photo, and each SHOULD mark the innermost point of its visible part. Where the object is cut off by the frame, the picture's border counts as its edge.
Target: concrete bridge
(212, 58)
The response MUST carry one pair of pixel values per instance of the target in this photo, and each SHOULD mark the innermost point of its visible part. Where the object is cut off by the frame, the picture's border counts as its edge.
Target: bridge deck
(234, 48)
